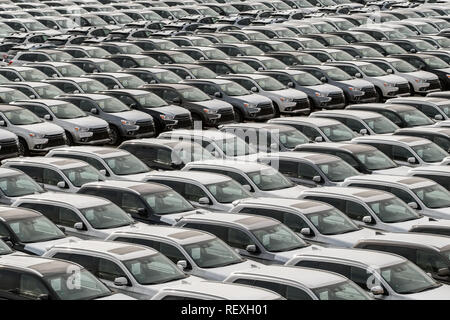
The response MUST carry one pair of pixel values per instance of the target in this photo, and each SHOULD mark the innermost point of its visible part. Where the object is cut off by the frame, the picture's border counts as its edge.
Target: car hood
(285, 256)
(133, 115)
(289, 93)
(440, 293)
(133, 227)
(398, 171)
(444, 213)
(175, 217)
(290, 193)
(350, 238)
(325, 88)
(190, 279)
(220, 273)
(89, 122)
(253, 98)
(134, 177)
(175, 110)
(423, 75)
(43, 128)
(39, 248)
(214, 104)
(357, 83)
(446, 70)
(251, 157)
(445, 161)
(391, 78)
(117, 296)
(5, 134)
(405, 226)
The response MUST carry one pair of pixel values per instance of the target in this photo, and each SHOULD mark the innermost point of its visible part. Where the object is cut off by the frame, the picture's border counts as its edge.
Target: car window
(34, 172)
(355, 210)
(58, 215)
(238, 238)
(401, 154)
(51, 177)
(307, 171)
(131, 203)
(430, 261)
(108, 270)
(171, 252)
(193, 193)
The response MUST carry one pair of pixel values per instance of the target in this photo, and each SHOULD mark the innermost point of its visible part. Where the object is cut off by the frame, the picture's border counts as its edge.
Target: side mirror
(305, 231)
(358, 75)
(291, 84)
(142, 212)
(54, 75)
(363, 131)
(218, 94)
(413, 50)
(22, 30)
(61, 184)
(182, 265)
(383, 39)
(55, 27)
(377, 290)
(176, 100)
(79, 226)
(274, 146)
(2, 123)
(260, 68)
(318, 139)
(16, 80)
(94, 111)
(413, 205)
(120, 282)
(43, 297)
(95, 71)
(76, 91)
(204, 201)
(367, 219)
(116, 86)
(317, 179)
(390, 71)
(443, 272)
(411, 160)
(254, 89)
(357, 57)
(188, 77)
(32, 96)
(438, 117)
(247, 187)
(251, 248)
(323, 79)
(48, 117)
(133, 106)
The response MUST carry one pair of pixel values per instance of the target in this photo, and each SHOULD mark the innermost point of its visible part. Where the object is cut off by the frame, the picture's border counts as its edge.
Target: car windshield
(67, 111)
(60, 56)
(215, 54)
(341, 56)
(112, 105)
(203, 73)
(108, 66)
(48, 91)
(4, 249)
(234, 147)
(305, 79)
(193, 94)
(393, 210)
(430, 152)
(154, 269)
(407, 278)
(12, 95)
(444, 107)
(126, 164)
(381, 125)
(426, 29)
(150, 100)
(337, 74)
(338, 132)
(233, 89)
(392, 48)
(181, 58)
(228, 191)
(21, 117)
(337, 171)
(403, 66)
(268, 179)
(92, 86)
(88, 286)
(369, 52)
(307, 59)
(346, 290)
(434, 196)
(332, 222)
(270, 84)
(106, 216)
(278, 238)
(375, 160)
(81, 175)
(19, 185)
(212, 253)
(35, 229)
(70, 70)
(443, 42)
(191, 152)
(35, 26)
(435, 62)
(415, 118)
(312, 44)
(32, 75)
(122, 18)
(146, 62)
(167, 202)
(167, 77)
(66, 23)
(396, 35)
(130, 82)
(290, 138)
(241, 67)
(371, 70)
(251, 51)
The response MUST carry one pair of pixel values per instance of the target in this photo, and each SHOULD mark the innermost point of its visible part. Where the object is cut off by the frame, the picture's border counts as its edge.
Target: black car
(209, 111)
(165, 116)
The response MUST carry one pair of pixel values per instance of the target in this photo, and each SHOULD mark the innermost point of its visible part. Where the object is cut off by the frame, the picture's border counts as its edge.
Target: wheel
(23, 148)
(197, 118)
(379, 95)
(69, 139)
(411, 89)
(238, 117)
(312, 106)
(115, 136)
(277, 110)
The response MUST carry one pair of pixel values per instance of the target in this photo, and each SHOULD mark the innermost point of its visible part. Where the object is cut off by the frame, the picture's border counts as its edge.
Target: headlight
(128, 122)
(387, 84)
(250, 105)
(319, 94)
(167, 116)
(209, 111)
(448, 76)
(419, 81)
(37, 135)
(81, 129)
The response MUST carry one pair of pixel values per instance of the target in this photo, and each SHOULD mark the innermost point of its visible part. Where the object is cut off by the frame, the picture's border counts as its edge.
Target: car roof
(118, 250)
(9, 107)
(311, 278)
(409, 140)
(367, 257)
(259, 125)
(11, 214)
(102, 152)
(79, 201)
(312, 157)
(38, 265)
(441, 243)
(47, 102)
(363, 194)
(171, 143)
(60, 163)
(409, 182)
(246, 221)
(320, 122)
(201, 177)
(445, 170)
(350, 113)
(421, 99)
(139, 187)
(441, 130)
(245, 166)
(304, 206)
(388, 106)
(209, 134)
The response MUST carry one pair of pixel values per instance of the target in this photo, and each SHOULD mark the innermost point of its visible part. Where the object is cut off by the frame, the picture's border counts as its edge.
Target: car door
(401, 155)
